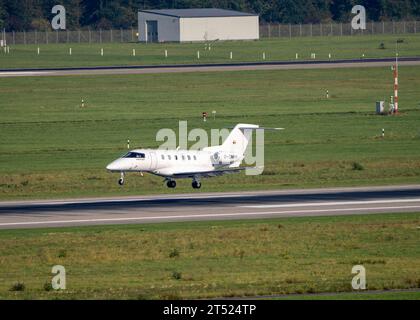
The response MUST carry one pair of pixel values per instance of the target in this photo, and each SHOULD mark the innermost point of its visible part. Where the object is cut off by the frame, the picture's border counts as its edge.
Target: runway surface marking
(210, 206)
(214, 195)
(24, 73)
(122, 200)
(341, 203)
(204, 215)
(150, 69)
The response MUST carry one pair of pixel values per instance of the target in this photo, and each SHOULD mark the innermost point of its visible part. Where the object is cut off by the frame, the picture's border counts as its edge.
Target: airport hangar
(187, 25)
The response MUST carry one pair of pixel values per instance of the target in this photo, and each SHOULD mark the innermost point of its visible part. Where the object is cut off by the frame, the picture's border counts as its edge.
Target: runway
(272, 65)
(209, 206)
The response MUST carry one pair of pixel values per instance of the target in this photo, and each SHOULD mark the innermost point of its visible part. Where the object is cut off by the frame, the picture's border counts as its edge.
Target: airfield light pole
(396, 80)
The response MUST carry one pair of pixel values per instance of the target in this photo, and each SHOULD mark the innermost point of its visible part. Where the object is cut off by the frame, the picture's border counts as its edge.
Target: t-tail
(232, 151)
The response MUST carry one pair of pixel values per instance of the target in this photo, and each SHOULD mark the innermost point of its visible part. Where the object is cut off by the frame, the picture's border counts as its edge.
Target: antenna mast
(396, 80)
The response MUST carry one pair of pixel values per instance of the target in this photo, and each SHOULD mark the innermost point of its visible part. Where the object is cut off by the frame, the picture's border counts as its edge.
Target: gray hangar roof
(198, 13)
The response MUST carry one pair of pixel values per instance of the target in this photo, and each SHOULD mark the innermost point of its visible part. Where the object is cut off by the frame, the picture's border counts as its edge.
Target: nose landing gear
(171, 183)
(121, 179)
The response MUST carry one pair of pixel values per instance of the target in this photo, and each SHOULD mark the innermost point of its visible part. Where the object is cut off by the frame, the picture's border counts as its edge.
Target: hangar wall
(222, 28)
(168, 27)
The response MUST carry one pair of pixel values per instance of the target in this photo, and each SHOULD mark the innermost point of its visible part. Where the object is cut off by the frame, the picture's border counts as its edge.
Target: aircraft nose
(112, 166)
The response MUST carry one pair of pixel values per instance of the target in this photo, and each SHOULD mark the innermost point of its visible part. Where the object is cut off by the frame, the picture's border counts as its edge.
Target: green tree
(3, 15)
(341, 10)
(33, 14)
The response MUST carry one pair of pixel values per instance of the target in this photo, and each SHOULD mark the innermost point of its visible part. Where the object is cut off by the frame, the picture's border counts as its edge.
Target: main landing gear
(121, 179)
(171, 183)
(196, 184)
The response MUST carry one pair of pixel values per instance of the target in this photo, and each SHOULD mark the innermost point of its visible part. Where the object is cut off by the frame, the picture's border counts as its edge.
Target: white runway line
(24, 73)
(337, 203)
(5, 204)
(214, 215)
(206, 68)
(189, 196)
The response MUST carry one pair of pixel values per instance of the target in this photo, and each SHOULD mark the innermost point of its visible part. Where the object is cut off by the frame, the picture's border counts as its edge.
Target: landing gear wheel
(121, 179)
(171, 183)
(196, 184)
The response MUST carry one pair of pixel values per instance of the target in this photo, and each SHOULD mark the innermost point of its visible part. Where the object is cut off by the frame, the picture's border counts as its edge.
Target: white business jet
(194, 164)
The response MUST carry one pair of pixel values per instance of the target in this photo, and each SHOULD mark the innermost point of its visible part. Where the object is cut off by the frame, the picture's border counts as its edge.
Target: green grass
(391, 295)
(57, 55)
(214, 259)
(50, 147)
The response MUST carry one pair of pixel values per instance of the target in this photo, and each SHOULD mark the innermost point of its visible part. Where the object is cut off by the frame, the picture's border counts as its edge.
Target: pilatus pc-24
(193, 164)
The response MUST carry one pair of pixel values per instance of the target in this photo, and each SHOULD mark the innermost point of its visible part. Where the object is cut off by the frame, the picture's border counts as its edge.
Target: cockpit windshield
(135, 155)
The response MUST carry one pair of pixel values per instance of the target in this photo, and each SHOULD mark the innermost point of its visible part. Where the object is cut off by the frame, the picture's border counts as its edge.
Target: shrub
(357, 166)
(269, 172)
(62, 253)
(18, 286)
(174, 253)
(311, 290)
(176, 275)
(48, 286)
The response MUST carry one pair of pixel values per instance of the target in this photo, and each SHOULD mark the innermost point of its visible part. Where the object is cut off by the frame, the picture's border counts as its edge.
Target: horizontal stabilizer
(255, 128)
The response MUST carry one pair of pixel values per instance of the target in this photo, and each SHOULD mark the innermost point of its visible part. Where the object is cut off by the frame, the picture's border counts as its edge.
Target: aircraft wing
(207, 174)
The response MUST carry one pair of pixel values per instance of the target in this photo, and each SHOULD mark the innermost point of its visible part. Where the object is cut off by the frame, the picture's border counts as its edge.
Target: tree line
(36, 14)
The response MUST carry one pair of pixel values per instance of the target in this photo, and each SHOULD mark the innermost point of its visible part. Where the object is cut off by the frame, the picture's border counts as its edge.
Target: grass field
(57, 55)
(391, 295)
(214, 259)
(50, 147)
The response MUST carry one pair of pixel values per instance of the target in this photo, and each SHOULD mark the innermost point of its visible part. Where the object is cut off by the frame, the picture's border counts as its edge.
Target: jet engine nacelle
(223, 158)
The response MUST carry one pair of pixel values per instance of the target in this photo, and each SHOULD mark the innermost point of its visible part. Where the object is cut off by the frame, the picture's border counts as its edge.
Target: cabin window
(189, 158)
(163, 157)
(169, 156)
(176, 157)
(183, 157)
(195, 158)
